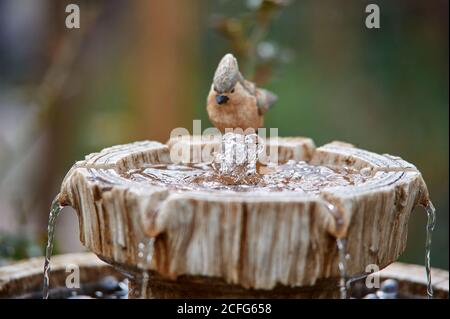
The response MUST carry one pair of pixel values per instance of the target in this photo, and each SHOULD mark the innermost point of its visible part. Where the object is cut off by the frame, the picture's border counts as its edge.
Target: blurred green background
(137, 69)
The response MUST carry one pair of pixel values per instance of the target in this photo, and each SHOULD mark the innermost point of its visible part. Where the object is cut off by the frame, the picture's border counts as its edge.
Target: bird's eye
(232, 90)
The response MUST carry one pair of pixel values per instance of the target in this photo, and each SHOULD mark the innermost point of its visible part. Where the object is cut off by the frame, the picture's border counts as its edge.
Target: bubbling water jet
(238, 157)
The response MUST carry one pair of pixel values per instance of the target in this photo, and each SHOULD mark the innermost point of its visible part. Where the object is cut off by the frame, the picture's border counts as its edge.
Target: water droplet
(366, 171)
(341, 245)
(146, 255)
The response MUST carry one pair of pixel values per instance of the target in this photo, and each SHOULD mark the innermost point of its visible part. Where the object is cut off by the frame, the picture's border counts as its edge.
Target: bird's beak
(221, 99)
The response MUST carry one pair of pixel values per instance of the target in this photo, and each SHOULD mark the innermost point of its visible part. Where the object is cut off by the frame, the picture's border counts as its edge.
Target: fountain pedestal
(235, 244)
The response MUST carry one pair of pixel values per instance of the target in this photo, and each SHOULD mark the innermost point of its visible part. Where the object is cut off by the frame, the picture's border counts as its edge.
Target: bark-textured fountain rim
(120, 158)
(116, 214)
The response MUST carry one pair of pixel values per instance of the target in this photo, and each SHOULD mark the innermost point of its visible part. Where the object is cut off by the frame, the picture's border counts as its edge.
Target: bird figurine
(234, 102)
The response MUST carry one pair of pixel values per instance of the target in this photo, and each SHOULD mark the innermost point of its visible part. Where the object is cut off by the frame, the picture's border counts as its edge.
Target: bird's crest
(227, 74)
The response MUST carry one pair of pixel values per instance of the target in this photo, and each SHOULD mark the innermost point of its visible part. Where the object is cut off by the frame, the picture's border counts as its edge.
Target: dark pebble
(109, 283)
(389, 286)
(123, 286)
(121, 293)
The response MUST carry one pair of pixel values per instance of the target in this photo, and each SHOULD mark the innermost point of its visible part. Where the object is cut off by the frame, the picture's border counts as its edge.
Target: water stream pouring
(54, 213)
(340, 242)
(431, 221)
(146, 254)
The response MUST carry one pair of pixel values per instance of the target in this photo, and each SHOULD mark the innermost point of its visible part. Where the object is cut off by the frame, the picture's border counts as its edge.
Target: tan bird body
(234, 102)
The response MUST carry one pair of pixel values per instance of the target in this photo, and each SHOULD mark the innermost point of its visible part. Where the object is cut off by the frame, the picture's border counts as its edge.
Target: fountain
(279, 237)
(218, 221)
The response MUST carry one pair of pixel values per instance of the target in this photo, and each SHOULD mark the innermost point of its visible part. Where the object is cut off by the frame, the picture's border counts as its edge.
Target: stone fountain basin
(255, 242)
(24, 278)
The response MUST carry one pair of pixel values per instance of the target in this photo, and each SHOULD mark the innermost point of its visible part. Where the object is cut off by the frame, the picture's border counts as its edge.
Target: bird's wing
(264, 100)
(250, 87)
